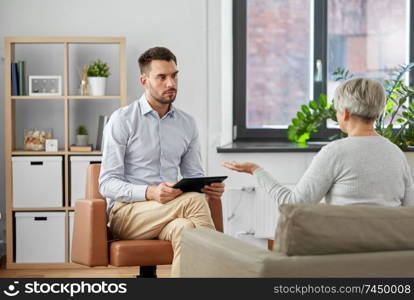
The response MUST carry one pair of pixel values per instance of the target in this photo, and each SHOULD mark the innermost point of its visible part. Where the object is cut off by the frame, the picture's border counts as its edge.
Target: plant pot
(82, 140)
(97, 86)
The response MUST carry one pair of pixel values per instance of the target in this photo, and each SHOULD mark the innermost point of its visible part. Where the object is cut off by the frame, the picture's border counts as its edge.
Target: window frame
(320, 36)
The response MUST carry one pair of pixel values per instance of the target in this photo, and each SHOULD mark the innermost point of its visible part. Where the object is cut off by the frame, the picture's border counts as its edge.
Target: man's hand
(214, 190)
(163, 192)
(243, 167)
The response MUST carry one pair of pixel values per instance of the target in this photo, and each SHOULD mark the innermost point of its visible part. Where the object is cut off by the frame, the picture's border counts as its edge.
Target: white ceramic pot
(82, 140)
(97, 86)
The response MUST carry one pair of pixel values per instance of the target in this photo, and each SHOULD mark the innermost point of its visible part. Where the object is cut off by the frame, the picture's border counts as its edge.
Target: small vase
(84, 89)
(82, 140)
(97, 86)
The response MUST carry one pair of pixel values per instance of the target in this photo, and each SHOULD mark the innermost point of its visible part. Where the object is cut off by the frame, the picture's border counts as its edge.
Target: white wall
(180, 25)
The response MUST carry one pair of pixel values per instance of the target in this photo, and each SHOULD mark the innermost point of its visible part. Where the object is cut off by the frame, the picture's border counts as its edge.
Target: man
(146, 144)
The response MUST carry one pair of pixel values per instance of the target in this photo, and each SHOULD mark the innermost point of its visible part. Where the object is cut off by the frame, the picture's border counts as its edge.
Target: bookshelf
(66, 55)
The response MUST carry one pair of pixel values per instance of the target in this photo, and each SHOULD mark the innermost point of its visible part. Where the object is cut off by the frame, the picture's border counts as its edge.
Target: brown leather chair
(92, 244)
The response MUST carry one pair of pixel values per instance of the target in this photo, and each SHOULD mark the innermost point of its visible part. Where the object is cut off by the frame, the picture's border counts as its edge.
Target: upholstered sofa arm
(208, 253)
(89, 242)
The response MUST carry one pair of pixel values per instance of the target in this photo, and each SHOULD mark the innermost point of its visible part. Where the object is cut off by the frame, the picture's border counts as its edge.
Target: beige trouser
(151, 219)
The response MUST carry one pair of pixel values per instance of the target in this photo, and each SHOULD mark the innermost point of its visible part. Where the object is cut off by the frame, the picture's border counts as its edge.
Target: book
(87, 148)
(101, 125)
(21, 75)
(14, 79)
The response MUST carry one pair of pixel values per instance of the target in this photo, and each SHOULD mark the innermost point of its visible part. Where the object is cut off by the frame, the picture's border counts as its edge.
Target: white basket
(78, 168)
(40, 237)
(37, 181)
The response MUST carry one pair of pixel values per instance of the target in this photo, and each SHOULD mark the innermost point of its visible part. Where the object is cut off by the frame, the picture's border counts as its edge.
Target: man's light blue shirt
(142, 149)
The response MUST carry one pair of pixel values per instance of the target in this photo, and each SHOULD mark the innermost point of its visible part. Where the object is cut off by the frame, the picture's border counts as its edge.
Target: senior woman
(364, 168)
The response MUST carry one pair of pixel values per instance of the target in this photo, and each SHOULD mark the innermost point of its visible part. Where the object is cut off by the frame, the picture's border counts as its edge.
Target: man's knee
(182, 223)
(197, 198)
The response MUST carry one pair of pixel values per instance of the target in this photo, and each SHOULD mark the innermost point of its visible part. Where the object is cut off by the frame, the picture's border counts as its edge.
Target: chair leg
(147, 272)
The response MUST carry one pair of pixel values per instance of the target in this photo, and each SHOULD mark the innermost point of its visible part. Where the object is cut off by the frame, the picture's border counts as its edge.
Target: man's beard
(162, 100)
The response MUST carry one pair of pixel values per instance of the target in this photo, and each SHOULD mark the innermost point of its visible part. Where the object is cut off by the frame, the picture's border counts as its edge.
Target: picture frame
(40, 85)
(51, 145)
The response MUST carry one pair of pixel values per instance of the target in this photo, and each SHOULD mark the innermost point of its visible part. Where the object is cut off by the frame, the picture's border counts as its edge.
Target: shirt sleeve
(190, 165)
(112, 182)
(311, 188)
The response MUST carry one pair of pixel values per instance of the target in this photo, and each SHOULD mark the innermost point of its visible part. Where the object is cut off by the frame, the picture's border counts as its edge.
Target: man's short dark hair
(155, 53)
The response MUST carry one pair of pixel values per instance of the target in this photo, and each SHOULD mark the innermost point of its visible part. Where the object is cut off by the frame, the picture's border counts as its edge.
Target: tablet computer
(195, 184)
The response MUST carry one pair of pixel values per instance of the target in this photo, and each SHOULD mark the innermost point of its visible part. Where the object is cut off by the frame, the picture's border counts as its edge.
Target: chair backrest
(338, 229)
(92, 182)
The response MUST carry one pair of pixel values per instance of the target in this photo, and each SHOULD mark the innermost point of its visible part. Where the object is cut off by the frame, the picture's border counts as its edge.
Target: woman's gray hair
(362, 97)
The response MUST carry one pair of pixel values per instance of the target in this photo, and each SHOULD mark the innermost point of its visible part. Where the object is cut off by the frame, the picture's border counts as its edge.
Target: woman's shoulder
(362, 144)
(334, 145)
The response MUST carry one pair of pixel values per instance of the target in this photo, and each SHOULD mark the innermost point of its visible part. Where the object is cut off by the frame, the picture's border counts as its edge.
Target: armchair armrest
(208, 253)
(89, 241)
(216, 213)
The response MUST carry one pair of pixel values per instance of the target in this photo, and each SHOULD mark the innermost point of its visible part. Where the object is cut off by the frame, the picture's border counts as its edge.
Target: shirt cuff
(138, 192)
(258, 171)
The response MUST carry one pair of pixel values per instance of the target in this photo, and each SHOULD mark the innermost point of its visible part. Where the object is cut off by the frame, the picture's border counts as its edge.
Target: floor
(96, 272)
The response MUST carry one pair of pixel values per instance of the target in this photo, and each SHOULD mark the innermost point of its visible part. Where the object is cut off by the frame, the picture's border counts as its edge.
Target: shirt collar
(146, 107)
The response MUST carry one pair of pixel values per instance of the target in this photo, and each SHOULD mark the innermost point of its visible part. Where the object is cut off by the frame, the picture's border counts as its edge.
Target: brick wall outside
(371, 36)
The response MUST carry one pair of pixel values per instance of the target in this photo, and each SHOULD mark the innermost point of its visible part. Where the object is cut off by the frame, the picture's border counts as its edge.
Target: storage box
(78, 168)
(71, 218)
(37, 181)
(40, 237)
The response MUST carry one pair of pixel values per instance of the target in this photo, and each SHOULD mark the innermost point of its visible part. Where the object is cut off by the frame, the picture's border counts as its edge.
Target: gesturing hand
(244, 167)
(163, 192)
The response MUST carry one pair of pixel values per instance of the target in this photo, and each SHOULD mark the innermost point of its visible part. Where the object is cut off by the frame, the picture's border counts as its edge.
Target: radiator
(238, 205)
(249, 211)
(266, 215)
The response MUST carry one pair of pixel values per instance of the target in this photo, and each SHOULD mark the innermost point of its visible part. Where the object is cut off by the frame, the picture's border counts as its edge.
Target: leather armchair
(93, 245)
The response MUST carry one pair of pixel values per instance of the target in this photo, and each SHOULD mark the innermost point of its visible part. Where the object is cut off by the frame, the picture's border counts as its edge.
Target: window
(286, 50)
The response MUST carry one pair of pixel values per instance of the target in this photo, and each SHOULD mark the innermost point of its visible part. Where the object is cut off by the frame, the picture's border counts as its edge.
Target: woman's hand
(244, 167)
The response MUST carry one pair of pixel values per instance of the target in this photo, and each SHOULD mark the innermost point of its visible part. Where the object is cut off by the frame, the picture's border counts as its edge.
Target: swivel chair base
(147, 272)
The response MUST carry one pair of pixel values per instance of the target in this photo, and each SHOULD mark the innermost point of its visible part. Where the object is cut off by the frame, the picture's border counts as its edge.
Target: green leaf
(303, 138)
(300, 115)
(323, 100)
(313, 105)
(306, 109)
(291, 133)
(411, 108)
(390, 105)
(402, 101)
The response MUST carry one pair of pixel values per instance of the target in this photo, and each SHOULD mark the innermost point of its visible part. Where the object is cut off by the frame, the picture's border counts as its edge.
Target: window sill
(263, 147)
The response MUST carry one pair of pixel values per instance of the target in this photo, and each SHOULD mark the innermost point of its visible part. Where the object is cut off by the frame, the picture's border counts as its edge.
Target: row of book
(99, 140)
(18, 78)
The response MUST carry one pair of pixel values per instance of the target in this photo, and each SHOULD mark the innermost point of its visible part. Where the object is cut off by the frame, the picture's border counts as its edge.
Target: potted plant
(98, 71)
(398, 110)
(81, 136)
